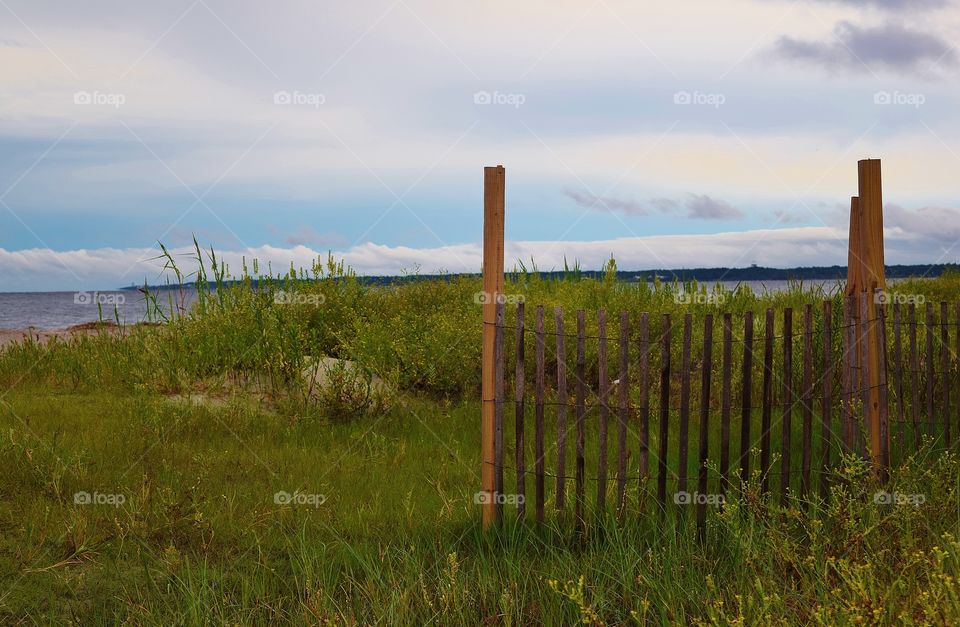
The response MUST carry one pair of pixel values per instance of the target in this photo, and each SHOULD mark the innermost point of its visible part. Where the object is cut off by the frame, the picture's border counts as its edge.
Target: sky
(667, 134)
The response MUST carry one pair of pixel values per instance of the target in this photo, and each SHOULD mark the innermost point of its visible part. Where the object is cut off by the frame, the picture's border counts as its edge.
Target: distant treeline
(703, 275)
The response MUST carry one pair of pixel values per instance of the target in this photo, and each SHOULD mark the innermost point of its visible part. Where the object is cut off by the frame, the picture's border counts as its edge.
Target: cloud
(910, 238)
(892, 5)
(891, 46)
(589, 201)
(697, 206)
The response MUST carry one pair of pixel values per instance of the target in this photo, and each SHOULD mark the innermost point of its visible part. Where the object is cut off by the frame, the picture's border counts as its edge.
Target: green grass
(199, 537)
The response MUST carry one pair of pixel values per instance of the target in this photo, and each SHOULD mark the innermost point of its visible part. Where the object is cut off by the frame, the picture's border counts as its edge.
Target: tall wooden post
(872, 277)
(494, 187)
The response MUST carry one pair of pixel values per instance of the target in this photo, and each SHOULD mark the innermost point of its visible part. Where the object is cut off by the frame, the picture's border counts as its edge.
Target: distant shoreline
(703, 275)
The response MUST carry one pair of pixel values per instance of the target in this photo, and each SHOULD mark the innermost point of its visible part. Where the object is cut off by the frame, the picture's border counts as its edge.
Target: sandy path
(11, 336)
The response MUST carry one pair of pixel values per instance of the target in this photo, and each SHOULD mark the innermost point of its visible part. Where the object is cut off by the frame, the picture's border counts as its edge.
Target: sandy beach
(12, 336)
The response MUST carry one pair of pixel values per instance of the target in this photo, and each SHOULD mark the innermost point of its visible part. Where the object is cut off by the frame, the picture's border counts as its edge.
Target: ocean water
(58, 310)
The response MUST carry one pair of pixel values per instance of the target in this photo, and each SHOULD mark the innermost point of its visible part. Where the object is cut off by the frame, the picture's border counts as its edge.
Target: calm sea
(58, 310)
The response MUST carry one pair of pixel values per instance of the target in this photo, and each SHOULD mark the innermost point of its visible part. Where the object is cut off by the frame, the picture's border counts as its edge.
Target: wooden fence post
(873, 278)
(493, 219)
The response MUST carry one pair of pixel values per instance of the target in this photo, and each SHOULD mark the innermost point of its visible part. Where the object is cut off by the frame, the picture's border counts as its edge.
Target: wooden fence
(774, 406)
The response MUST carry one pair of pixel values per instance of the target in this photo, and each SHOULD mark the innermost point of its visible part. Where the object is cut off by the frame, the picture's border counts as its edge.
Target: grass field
(216, 487)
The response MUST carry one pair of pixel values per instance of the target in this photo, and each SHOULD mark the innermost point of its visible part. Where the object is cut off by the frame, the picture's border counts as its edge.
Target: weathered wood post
(873, 278)
(493, 211)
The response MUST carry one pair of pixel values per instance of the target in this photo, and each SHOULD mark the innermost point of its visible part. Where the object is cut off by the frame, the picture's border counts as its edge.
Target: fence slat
(957, 340)
(786, 421)
(945, 372)
(931, 426)
(767, 402)
(644, 401)
(498, 408)
(914, 373)
(898, 373)
(564, 400)
(581, 414)
(518, 393)
(538, 424)
(881, 334)
(807, 407)
(604, 387)
(662, 433)
(746, 377)
(705, 375)
(683, 439)
(725, 403)
(826, 407)
(865, 373)
(623, 391)
(851, 368)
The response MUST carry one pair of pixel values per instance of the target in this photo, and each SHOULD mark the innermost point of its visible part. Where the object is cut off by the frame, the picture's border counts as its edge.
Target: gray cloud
(892, 5)
(306, 235)
(697, 206)
(891, 46)
(940, 224)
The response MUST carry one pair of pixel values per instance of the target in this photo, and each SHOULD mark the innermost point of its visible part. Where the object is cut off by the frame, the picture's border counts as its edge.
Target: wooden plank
(683, 439)
(603, 394)
(928, 397)
(746, 377)
(853, 376)
(914, 374)
(846, 376)
(644, 401)
(663, 431)
(581, 415)
(539, 384)
(564, 400)
(786, 420)
(945, 372)
(807, 404)
(725, 385)
(826, 407)
(898, 373)
(881, 332)
(866, 370)
(623, 399)
(705, 379)
(498, 408)
(767, 410)
(957, 380)
(493, 209)
(519, 413)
